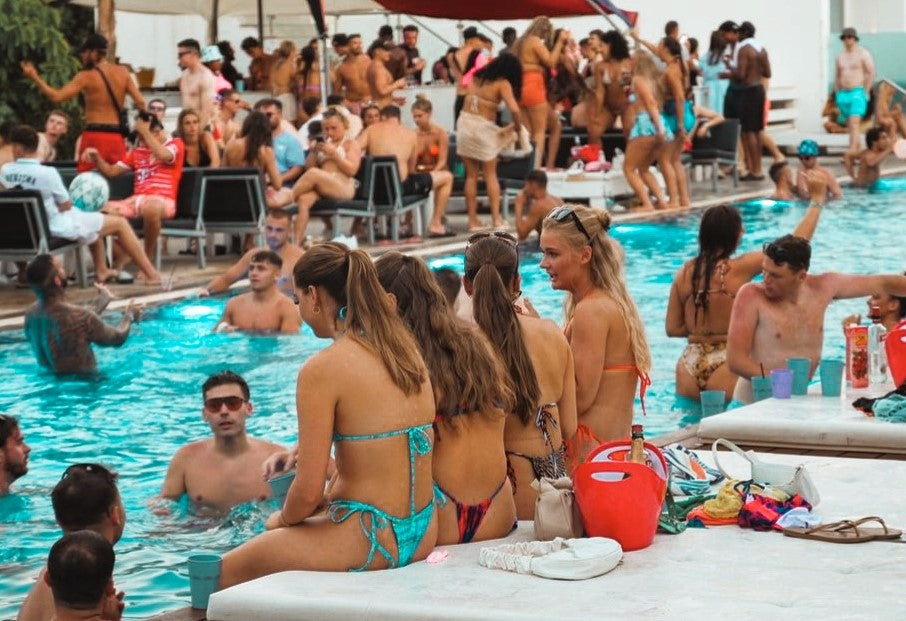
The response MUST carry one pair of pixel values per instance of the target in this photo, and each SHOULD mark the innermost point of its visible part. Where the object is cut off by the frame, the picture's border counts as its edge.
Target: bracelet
(815, 204)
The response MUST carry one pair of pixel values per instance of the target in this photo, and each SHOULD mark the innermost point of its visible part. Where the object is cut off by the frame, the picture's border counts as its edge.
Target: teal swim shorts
(851, 102)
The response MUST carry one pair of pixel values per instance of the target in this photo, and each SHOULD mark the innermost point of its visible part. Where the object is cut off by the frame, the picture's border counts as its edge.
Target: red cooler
(619, 499)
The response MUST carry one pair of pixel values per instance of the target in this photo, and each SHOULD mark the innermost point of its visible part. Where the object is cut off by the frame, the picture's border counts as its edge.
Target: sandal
(846, 531)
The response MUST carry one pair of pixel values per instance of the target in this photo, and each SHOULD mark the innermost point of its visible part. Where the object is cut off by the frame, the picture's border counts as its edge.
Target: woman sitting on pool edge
(603, 326)
(474, 495)
(716, 277)
(379, 512)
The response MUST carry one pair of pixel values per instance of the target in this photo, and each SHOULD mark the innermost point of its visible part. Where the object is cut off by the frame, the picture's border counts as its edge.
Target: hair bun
(604, 219)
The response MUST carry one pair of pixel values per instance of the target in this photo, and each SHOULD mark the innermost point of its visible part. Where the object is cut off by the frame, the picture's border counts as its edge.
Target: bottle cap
(637, 429)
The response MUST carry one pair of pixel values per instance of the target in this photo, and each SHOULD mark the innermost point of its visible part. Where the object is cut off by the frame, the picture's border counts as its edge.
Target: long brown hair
(606, 268)
(349, 277)
(465, 373)
(492, 264)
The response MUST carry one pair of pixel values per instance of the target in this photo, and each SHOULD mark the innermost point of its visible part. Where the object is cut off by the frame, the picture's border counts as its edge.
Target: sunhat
(210, 54)
(808, 148)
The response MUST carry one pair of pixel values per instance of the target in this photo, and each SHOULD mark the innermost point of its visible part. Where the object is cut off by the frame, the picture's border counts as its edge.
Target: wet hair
(540, 27)
(84, 496)
(872, 136)
(25, 136)
(492, 267)
(267, 256)
(793, 251)
(223, 378)
(619, 47)
(538, 177)
(350, 279)
(80, 566)
(182, 116)
(422, 103)
(279, 214)
(256, 131)
(339, 40)
(39, 273)
(391, 111)
(267, 103)
(718, 238)
(310, 105)
(8, 425)
(775, 170)
(249, 43)
(465, 373)
(670, 26)
(190, 44)
(504, 67)
(606, 271)
(449, 282)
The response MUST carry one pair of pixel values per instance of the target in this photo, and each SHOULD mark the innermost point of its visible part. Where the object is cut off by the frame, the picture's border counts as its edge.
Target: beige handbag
(556, 512)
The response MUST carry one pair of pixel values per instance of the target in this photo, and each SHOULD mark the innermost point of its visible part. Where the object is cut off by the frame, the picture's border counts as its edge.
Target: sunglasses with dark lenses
(562, 214)
(95, 469)
(806, 157)
(507, 237)
(215, 403)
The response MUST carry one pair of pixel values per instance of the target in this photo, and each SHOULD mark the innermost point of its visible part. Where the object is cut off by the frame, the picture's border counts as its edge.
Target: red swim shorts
(534, 92)
(111, 147)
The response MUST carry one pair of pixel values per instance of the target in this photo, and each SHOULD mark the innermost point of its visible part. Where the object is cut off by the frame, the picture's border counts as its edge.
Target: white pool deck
(716, 573)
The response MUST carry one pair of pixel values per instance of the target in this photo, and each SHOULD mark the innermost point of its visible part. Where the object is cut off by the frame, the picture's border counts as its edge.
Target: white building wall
(872, 16)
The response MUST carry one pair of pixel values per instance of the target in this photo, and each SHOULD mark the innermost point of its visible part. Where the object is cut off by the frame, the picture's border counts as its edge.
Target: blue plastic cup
(761, 388)
(204, 576)
(800, 368)
(280, 485)
(781, 383)
(713, 402)
(831, 377)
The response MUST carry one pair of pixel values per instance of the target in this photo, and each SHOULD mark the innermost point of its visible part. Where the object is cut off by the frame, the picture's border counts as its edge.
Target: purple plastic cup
(781, 383)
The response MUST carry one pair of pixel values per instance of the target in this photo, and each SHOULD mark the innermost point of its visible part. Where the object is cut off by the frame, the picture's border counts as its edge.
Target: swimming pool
(146, 402)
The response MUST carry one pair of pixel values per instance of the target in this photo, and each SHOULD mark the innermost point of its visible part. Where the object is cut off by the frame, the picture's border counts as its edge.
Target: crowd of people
(452, 413)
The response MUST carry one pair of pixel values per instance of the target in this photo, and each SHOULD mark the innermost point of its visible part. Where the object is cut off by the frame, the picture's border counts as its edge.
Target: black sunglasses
(95, 469)
(562, 214)
(215, 403)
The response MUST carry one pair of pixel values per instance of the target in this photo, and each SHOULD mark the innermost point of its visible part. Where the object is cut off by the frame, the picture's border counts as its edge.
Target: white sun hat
(560, 559)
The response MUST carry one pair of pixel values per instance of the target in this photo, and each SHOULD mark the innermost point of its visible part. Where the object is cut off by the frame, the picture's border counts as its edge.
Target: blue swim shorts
(851, 102)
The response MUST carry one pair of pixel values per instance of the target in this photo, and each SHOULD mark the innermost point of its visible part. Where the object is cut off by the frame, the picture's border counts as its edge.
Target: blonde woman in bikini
(603, 326)
(533, 51)
(704, 288)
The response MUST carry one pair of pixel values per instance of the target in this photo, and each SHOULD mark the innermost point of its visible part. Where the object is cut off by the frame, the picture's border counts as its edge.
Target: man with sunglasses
(808, 159)
(224, 471)
(783, 317)
(853, 79)
(226, 125)
(277, 237)
(86, 498)
(263, 309)
(13, 453)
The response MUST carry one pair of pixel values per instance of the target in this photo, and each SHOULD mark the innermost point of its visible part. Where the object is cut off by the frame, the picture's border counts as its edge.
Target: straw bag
(791, 479)
(556, 512)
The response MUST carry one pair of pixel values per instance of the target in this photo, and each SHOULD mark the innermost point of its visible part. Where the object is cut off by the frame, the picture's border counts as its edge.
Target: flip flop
(444, 233)
(846, 531)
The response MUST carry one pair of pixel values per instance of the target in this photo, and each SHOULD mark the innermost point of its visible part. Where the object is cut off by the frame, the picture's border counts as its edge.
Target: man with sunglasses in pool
(224, 471)
(783, 317)
(13, 453)
(808, 158)
(277, 237)
(263, 309)
(86, 498)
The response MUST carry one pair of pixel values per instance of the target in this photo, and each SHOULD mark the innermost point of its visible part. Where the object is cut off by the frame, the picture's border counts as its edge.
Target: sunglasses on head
(507, 237)
(215, 403)
(562, 214)
(95, 469)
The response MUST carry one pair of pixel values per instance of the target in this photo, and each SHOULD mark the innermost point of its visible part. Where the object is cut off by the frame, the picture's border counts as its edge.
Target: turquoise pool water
(146, 402)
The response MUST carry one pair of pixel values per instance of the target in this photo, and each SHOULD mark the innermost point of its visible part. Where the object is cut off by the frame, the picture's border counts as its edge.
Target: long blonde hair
(349, 277)
(606, 270)
(540, 27)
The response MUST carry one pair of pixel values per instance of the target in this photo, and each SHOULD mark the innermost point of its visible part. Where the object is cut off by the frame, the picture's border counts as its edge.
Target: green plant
(31, 30)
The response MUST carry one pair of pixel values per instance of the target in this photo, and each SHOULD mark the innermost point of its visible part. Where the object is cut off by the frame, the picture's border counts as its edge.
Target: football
(89, 191)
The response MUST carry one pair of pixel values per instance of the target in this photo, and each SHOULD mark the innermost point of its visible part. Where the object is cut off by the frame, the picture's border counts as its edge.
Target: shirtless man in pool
(264, 308)
(783, 317)
(879, 147)
(223, 471)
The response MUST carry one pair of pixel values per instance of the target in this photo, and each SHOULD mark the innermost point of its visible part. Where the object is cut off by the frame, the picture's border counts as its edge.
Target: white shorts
(77, 225)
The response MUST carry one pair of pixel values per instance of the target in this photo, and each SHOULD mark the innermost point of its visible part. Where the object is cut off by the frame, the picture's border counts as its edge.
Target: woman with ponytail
(603, 325)
(472, 396)
(538, 362)
(369, 394)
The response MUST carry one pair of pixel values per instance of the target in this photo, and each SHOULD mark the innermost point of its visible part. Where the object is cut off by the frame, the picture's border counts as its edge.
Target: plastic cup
(713, 402)
(800, 368)
(280, 485)
(781, 383)
(204, 575)
(761, 388)
(831, 377)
